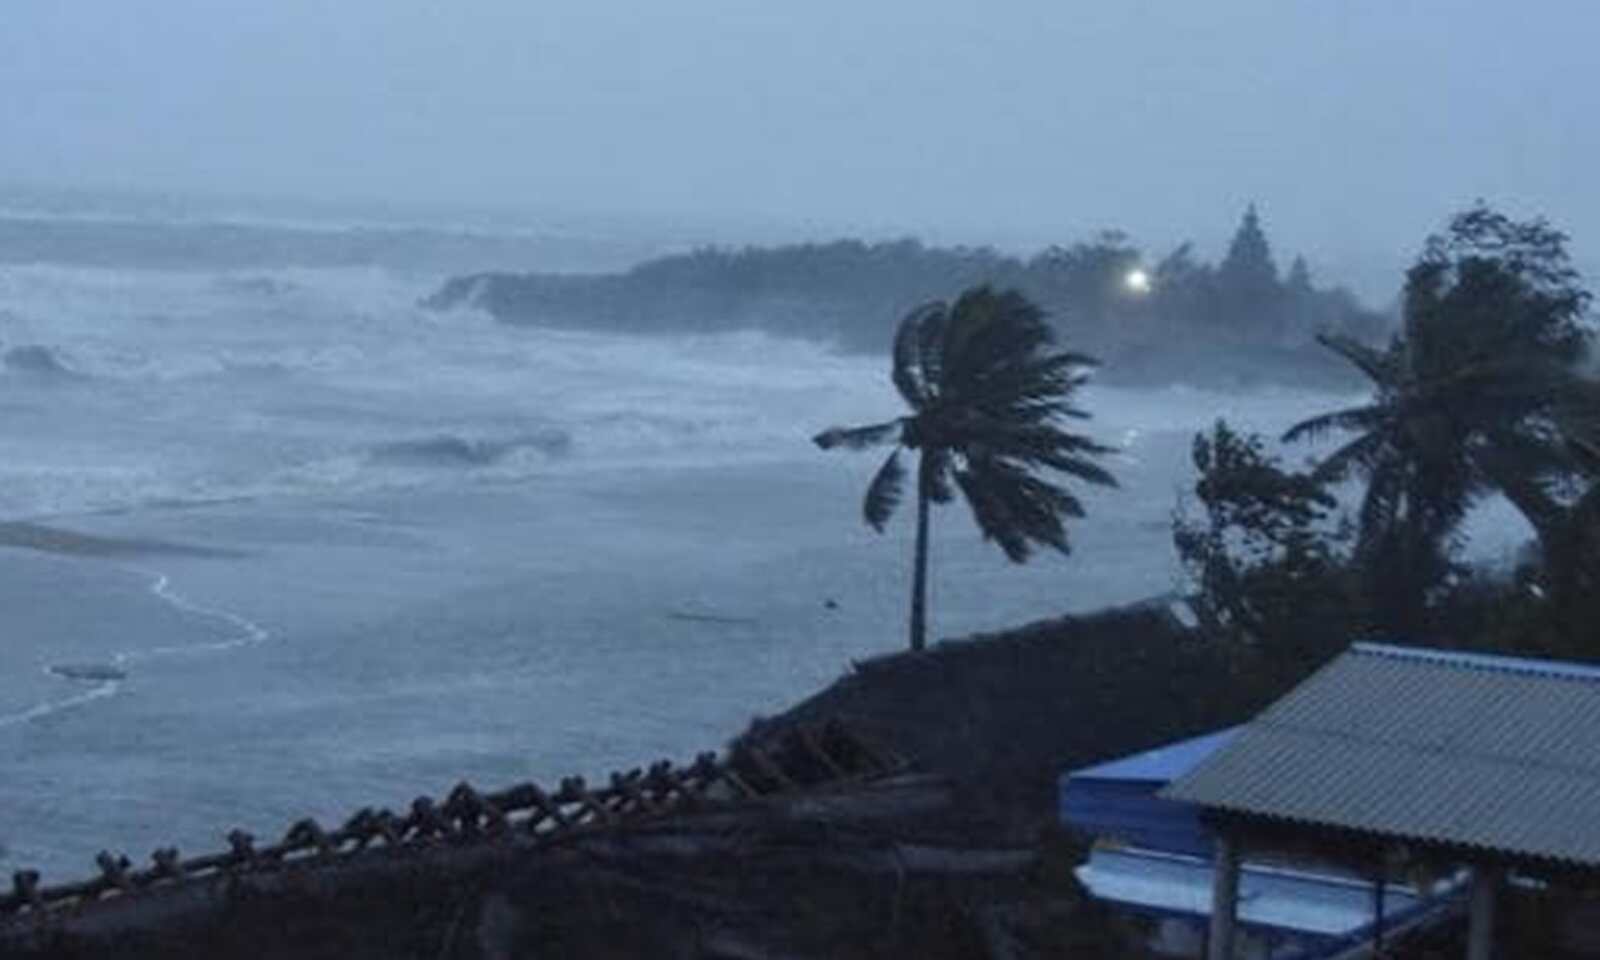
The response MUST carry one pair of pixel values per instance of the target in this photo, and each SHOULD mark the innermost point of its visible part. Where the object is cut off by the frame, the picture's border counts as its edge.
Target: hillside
(1005, 714)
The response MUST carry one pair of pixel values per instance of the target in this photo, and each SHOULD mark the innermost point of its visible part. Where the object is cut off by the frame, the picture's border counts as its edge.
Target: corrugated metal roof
(1494, 752)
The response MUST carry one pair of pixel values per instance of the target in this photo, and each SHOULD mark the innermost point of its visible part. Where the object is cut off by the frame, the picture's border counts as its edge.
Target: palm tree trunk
(919, 570)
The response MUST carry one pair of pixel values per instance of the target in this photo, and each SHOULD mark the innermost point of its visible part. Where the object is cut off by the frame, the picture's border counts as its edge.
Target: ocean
(353, 551)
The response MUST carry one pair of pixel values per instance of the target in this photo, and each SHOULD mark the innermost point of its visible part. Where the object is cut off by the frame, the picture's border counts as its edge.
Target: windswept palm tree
(1431, 443)
(1468, 400)
(988, 403)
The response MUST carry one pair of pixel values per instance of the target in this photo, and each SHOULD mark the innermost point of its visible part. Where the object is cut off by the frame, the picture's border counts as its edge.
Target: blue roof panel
(1161, 765)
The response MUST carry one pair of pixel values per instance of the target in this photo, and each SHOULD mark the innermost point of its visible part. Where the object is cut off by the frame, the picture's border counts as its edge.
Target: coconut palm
(1430, 444)
(1420, 445)
(988, 403)
(1468, 400)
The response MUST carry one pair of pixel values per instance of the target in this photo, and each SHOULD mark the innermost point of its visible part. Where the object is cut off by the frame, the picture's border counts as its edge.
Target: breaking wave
(37, 362)
(193, 387)
(450, 450)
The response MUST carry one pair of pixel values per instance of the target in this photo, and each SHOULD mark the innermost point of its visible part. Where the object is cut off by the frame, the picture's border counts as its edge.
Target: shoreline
(474, 633)
(60, 541)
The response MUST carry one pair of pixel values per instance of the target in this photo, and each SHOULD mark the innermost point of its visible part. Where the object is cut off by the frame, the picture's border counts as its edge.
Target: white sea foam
(99, 691)
(203, 386)
(106, 680)
(242, 631)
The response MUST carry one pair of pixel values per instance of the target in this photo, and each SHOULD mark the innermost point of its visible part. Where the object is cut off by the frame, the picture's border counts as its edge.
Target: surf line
(108, 678)
(249, 632)
(40, 711)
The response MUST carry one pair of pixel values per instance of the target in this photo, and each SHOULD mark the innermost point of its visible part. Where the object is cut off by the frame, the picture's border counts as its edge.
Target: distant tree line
(1251, 322)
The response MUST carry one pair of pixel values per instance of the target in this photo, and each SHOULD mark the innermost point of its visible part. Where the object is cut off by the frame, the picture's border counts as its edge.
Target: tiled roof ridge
(1493, 662)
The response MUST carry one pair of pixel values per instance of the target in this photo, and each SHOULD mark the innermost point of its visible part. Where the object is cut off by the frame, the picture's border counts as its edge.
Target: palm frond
(1363, 452)
(992, 516)
(1509, 389)
(1380, 366)
(1031, 508)
(1043, 381)
(1578, 425)
(884, 493)
(860, 438)
(1049, 446)
(1036, 444)
(1354, 418)
(930, 350)
(1023, 371)
(987, 330)
(1585, 513)
(1083, 470)
(1587, 452)
(907, 369)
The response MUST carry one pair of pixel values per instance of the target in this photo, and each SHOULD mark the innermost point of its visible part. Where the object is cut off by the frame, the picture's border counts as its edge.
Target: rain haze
(398, 393)
(1010, 123)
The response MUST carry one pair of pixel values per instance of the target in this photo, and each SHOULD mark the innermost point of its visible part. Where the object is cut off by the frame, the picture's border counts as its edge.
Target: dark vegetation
(1004, 714)
(1239, 322)
(988, 405)
(1482, 393)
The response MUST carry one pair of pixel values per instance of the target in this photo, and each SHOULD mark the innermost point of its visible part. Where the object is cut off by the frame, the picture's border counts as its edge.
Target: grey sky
(1358, 124)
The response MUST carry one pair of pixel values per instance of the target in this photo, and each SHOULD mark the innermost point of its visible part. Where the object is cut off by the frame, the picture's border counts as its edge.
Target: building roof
(1467, 750)
(1162, 764)
(1116, 802)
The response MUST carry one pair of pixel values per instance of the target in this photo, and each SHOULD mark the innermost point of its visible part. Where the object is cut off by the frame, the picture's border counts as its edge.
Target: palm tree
(987, 403)
(1432, 443)
(1468, 401)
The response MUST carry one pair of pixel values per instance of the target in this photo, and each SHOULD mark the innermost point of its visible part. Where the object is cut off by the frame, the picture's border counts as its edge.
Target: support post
(1224, 900)
(1378, 919)
(1480, 922)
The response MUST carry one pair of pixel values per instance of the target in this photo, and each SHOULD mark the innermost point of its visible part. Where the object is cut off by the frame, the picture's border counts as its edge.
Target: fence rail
(798, 758)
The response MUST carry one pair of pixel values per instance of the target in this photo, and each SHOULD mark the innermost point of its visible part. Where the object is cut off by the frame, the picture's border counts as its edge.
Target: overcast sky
(1357, 124)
